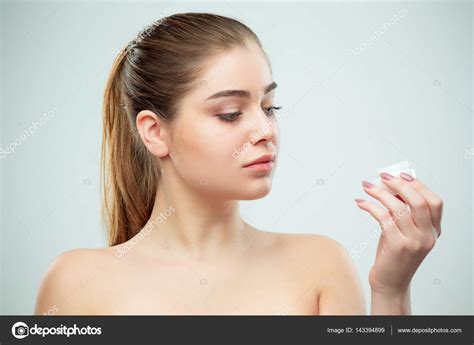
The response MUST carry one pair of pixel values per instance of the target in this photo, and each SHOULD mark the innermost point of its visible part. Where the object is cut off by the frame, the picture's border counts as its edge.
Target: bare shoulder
(330, 254)
(309, 244)
(67, 285)
(313, 240)
(316, 254)
(339, 286)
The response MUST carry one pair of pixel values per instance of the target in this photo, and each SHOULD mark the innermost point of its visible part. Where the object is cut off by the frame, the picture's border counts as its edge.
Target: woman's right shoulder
(69, 281)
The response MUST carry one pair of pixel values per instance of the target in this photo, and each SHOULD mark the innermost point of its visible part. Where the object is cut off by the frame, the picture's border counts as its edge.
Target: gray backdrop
(362, 90)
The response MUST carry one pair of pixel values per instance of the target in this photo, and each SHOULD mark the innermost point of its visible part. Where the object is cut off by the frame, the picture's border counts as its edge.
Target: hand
(407, 233)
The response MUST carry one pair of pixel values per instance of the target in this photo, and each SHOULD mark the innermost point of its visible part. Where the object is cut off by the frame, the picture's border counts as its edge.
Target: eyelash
(232, 117)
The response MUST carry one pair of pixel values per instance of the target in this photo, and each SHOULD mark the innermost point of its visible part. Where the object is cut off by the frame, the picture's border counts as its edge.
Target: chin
(256, 191)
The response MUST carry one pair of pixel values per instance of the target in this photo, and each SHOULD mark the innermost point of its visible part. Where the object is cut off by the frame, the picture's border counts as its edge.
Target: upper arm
(61, 290)
(341, 292)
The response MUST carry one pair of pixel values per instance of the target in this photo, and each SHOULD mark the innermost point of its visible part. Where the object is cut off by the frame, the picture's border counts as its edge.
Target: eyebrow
(240, 93)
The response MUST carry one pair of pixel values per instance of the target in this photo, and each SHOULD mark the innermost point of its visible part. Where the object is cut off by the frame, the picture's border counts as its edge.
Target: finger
(435, 203)
(398, 209)
(418, 205)
(388, 226)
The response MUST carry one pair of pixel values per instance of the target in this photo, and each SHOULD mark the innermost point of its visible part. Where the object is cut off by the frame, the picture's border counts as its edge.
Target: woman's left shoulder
(304, 245)
(339, 287)
(302, 248)
(311, 243)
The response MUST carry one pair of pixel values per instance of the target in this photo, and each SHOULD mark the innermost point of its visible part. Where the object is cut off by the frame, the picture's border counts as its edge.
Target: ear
(153, 133)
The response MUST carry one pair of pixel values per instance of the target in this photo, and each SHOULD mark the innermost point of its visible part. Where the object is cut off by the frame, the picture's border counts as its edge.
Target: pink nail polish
(400, 198)
(367, 184)
(406, 177)
(386, 176)
(359, 200)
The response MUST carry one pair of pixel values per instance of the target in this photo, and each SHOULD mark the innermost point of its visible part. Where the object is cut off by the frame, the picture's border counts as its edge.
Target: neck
(190, 224)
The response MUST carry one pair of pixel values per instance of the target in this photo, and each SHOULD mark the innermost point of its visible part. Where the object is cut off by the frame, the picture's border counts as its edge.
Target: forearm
(390, 304)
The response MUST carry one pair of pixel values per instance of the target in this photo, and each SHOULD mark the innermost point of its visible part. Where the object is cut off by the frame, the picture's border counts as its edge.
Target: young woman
(189, 130)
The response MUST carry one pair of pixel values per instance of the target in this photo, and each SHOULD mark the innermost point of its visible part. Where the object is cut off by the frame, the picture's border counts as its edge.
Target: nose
(263, 127)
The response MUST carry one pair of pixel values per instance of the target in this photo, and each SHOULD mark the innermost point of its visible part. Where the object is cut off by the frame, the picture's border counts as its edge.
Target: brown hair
(153, 72)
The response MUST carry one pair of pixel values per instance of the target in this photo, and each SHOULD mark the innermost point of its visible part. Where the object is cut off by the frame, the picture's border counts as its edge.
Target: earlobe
(152, 133)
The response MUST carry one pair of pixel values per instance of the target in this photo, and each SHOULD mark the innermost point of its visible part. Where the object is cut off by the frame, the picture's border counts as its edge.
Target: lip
(265, 166)
(265, 161)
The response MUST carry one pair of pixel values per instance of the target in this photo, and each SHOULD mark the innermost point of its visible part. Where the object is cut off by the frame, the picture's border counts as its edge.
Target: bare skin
(277, 274)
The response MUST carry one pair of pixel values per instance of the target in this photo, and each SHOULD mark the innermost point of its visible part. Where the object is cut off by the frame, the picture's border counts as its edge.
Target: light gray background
(408, 96)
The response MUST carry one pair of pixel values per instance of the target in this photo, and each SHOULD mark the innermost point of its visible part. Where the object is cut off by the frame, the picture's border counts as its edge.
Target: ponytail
(129, 173)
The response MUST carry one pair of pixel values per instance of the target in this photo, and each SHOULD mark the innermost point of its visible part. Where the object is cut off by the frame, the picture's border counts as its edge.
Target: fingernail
(386, 176)
(367, 184)
(406, 177)
(359, 200)
(399, 198)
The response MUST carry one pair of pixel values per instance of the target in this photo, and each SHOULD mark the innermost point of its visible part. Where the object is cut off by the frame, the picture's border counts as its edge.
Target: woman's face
(210, 153)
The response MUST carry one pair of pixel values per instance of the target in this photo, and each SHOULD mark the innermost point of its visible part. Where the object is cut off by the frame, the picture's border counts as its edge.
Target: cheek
(206, 147)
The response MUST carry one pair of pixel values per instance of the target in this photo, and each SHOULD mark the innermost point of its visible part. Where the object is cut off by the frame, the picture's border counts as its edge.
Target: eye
(230, 117)
(270, 111)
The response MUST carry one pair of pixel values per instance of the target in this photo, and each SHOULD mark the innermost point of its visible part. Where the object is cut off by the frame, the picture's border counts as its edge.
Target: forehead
(242, 68)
